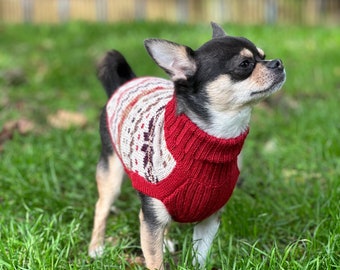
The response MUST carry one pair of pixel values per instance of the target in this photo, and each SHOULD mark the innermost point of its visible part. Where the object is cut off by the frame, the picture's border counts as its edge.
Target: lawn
(284, 215)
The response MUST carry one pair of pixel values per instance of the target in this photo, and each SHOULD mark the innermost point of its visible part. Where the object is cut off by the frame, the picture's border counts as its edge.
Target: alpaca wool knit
(166, 155)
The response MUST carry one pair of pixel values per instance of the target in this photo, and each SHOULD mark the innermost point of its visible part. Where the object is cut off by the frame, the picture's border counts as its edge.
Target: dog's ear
(217, 31)
(177, 60)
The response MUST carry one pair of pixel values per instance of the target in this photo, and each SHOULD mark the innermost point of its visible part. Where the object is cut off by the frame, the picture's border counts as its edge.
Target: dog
(179, 140)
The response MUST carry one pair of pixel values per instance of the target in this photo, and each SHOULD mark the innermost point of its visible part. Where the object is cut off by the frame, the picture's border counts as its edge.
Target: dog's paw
(169, 245)
(114, 210)
(96, 252)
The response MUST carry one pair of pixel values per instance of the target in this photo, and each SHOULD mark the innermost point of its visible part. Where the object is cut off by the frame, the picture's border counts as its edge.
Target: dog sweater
(166, 155)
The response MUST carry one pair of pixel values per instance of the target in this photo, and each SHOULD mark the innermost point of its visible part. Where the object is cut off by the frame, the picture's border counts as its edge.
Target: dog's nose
(275, 64)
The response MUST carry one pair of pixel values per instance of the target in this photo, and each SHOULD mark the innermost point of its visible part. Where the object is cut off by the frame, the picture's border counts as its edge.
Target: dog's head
(226, 73)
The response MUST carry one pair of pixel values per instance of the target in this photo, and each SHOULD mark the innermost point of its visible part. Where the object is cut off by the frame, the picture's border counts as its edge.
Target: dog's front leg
(154, 218)
(204, 233)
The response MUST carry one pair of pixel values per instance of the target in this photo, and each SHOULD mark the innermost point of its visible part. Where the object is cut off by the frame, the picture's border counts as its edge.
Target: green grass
(285, 215)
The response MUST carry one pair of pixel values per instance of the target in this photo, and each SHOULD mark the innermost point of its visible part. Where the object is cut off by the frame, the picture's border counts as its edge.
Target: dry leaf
(23, 126)
(5, 135)
(135, 260)
(65, 119)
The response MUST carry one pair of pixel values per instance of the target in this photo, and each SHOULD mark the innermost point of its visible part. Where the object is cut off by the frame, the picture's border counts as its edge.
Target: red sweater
(166, 155)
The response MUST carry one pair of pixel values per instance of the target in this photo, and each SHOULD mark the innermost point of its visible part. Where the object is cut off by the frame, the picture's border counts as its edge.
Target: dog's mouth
(277, 84)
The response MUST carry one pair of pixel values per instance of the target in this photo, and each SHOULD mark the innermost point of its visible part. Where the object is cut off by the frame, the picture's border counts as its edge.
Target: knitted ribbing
(203, 168)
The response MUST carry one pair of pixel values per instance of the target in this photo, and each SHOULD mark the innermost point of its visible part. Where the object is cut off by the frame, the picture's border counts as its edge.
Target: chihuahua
(179, 140)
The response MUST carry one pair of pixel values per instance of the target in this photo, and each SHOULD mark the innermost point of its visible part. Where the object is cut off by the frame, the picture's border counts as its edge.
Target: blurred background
(232, 11)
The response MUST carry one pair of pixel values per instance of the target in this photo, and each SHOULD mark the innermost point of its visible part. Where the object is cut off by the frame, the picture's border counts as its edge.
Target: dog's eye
(245, 64)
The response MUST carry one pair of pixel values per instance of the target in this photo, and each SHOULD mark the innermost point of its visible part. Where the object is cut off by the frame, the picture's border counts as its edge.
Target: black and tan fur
(216, 87)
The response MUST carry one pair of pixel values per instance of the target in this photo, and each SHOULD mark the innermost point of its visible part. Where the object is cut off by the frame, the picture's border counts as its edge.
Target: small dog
(179, 140)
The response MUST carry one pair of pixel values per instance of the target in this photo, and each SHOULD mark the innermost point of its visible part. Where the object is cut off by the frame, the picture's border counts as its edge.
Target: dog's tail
(113, 71)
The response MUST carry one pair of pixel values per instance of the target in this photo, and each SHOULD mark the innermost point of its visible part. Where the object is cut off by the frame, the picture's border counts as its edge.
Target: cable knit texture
(166, 155)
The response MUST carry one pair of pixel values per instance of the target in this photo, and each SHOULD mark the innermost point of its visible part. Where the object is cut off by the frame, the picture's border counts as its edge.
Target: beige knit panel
(136, 116)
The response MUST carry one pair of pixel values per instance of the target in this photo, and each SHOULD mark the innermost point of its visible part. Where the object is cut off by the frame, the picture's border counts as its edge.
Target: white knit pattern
(136, 123)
